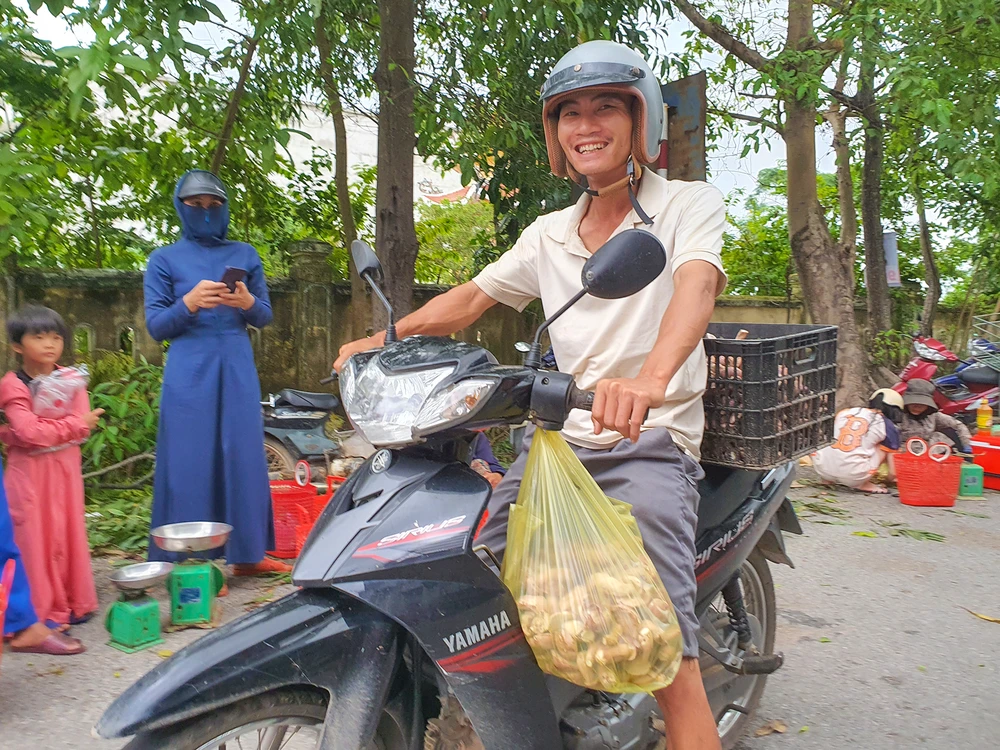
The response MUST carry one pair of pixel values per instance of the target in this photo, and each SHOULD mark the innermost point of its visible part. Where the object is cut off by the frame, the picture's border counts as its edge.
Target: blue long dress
(20, 613)
(210, 463)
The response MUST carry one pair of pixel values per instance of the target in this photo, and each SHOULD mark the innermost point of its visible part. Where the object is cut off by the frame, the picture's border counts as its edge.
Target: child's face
(917, 409)
(40, 348)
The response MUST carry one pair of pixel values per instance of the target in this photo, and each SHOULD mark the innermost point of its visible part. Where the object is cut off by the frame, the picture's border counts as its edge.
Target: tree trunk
(359, 296)
(232, 108)
(95, 229)
(837, 118)
(396, 237)
(826, 270)
(930, 266)
(879, 302)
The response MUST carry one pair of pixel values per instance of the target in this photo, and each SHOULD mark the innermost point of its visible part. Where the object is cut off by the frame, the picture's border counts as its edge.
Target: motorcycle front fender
(317, 638)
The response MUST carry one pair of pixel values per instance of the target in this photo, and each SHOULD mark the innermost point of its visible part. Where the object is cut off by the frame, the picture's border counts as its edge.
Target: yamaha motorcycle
(400, 613)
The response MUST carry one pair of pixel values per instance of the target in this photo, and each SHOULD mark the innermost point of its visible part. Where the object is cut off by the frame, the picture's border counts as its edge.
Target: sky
(728, 171)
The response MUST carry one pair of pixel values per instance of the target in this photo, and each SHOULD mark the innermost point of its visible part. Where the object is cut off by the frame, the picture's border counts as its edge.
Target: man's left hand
(241, 298)
(621, 403)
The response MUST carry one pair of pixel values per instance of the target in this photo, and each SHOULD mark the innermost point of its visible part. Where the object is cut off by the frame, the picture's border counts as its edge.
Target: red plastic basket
(924, 481)
(293, 507)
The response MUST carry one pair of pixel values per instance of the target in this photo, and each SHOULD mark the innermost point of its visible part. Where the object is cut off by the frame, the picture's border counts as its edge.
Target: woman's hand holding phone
(241, 298)
(206, 295)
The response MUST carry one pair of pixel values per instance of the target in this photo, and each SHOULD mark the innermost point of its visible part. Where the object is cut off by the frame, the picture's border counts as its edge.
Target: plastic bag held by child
(592, 606)
(52, 395)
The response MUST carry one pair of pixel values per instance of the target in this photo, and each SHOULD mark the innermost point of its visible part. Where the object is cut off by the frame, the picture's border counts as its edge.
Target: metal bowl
(141, 575)
(196, 536)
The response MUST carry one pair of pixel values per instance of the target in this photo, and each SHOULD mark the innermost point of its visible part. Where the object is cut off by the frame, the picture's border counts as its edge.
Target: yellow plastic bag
(592, 606)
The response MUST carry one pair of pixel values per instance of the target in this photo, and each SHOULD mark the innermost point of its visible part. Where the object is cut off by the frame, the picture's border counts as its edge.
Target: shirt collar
(652, 196)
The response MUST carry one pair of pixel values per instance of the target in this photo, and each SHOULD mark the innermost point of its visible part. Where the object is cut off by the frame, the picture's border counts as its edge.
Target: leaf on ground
(775, 726)
(897, 529)
(958, 512)
(164, 653)
(922, 668)
(797, 485)
(804, 729)
(118, 674)
(824, 639)
(54, 672)
(982, 617)
(866, 534)
(826, 508)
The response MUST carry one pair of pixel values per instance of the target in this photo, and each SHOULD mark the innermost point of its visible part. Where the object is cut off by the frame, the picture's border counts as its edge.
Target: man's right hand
(361, 345)
(205, 295)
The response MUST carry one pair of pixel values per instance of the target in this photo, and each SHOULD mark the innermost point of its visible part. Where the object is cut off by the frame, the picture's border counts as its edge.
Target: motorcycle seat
(979, 374)
(306, 400)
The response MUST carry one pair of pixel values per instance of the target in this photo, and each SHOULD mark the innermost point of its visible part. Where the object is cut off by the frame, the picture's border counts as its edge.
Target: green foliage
(454, 238)
(128, 427)
(118, 520)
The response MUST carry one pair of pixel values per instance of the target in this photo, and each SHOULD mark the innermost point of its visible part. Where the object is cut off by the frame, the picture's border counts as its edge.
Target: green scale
(194, 585)
(133, 621)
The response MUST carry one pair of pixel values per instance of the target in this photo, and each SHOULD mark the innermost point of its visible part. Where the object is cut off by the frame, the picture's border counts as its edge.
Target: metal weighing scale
(193, 584)
(133, 621)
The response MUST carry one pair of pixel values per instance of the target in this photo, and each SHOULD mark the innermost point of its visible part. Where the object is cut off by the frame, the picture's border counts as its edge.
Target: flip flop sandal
(54, 645)
(59, 627)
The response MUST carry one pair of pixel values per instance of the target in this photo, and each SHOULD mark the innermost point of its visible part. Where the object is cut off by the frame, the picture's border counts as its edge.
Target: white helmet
(608, 66)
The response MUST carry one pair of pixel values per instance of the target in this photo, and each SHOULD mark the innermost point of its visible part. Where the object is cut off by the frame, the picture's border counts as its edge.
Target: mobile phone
(232, 275)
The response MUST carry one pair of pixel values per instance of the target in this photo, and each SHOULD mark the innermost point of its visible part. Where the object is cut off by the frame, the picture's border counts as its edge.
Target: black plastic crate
(770, 397)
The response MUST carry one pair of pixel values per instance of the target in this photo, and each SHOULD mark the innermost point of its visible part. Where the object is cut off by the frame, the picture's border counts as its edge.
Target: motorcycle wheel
(286, 719)
(723, 687)
(279, 459)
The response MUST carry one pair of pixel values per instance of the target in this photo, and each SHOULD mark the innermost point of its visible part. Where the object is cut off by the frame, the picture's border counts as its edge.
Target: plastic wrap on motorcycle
(409, 556)
(318, 638)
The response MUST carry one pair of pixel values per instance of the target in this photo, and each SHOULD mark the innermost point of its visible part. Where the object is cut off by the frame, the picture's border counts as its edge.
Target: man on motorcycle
(603, 117)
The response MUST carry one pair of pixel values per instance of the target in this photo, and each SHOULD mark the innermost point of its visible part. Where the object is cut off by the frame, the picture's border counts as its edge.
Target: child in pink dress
(43, 479)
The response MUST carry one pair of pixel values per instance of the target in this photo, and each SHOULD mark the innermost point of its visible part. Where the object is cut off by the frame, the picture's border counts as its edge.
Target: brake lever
(333, 377)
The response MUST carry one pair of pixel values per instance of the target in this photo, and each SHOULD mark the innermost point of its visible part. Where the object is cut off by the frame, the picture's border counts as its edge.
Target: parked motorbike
(960, 393)
(399, 611)
(294, 430)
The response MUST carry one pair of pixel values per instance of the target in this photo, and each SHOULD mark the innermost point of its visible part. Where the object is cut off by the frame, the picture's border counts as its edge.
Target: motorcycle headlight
(384, 406)
(452, 404)
(925, 352)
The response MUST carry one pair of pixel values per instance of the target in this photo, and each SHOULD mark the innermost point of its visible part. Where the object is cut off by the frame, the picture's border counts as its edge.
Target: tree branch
(748, 118)
(722, 36)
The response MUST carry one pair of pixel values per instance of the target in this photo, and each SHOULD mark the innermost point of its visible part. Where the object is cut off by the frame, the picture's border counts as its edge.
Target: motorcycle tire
(279, 458)
(224, 726)
(765, 611)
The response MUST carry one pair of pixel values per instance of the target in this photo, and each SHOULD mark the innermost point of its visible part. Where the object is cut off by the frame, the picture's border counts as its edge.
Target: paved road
(880, 654)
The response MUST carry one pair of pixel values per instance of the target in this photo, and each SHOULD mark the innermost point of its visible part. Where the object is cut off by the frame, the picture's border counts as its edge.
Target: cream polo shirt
(608, 338)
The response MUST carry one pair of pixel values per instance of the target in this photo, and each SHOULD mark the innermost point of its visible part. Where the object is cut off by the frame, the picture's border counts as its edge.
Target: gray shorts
(660, 482)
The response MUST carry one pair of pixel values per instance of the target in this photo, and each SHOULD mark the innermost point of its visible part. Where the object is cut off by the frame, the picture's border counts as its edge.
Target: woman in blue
(210, 463)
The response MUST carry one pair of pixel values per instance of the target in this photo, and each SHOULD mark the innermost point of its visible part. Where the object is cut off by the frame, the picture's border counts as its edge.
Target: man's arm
(621, 403)
(442, 316)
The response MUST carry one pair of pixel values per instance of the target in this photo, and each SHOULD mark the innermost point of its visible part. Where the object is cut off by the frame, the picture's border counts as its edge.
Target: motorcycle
(294, 423)
(400, 612)
(960, 393)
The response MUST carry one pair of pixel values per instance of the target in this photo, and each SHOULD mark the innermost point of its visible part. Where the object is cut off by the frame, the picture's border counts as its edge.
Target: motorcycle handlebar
(581, 399)
(332, 378)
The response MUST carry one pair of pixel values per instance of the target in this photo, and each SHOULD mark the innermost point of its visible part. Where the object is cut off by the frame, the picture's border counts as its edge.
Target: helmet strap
(633, 172)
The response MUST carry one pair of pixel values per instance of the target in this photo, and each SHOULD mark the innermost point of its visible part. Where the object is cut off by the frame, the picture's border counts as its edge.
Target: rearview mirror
(624, 265)
(365, 261)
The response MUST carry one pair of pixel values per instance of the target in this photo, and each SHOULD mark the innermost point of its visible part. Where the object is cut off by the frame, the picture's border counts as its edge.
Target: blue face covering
(205, 226)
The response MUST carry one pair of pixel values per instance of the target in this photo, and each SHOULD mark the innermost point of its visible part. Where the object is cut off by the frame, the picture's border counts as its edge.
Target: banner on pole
(891, 259)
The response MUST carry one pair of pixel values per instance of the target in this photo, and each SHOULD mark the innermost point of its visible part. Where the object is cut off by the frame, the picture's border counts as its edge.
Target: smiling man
(603, 116)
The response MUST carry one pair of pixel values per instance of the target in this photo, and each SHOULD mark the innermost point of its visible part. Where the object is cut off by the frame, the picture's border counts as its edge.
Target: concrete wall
(310, 316)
